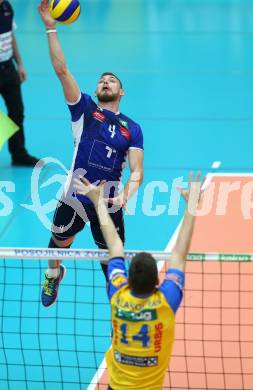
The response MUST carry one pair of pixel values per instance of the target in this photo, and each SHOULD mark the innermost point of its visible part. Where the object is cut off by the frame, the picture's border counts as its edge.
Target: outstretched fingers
(84, 187)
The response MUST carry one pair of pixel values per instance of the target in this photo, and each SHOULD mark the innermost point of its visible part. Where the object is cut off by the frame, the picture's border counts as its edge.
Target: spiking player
(143, 315)
(103, 137)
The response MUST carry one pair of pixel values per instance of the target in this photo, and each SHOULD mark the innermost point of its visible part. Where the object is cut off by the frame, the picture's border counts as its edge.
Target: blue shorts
(70, 220)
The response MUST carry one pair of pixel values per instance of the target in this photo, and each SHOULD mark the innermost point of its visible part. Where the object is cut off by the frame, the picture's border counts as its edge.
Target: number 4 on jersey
(112, 130)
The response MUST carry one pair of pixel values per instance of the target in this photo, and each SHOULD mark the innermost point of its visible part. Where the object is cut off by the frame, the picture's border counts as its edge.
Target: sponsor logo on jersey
(144, 315)
(158, 337)
(125, 132)
(138, 361)
(98, 116)
(118, 280)
(124, 123)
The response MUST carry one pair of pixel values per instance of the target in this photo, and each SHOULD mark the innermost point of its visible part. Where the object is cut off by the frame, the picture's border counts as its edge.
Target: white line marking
(216, 164)
(98, 375)
(208, 179)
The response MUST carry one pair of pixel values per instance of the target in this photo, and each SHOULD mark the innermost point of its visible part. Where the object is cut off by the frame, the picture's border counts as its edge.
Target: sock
(53, 272)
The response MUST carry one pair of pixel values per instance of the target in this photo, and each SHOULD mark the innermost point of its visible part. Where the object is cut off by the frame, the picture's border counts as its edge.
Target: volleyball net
(62, 347)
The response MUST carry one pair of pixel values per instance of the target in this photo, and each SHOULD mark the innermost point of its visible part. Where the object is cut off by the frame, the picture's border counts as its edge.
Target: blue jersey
(143, 330)
(102, 139)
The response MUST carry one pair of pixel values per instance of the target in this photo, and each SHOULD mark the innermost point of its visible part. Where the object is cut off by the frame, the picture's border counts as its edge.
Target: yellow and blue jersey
(143, 330)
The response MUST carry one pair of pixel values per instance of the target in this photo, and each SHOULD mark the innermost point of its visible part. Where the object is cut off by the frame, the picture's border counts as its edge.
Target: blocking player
(104, 138)
(143, 314)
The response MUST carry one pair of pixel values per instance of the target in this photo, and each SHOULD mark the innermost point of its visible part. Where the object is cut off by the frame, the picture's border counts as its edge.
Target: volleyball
(65, 11)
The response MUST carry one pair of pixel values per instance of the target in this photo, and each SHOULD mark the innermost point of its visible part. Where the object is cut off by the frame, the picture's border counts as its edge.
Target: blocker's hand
(45, 14)
(193, 193)
(93, 191)
(119, 200)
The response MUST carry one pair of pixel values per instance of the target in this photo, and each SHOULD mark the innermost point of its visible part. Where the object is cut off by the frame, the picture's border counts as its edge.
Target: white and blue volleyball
(65, 11)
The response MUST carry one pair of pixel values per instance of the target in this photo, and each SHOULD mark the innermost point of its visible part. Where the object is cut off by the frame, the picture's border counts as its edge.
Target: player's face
(108, 89)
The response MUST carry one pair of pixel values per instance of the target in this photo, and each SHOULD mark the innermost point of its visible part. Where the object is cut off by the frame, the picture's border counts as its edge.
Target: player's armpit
(82, 106)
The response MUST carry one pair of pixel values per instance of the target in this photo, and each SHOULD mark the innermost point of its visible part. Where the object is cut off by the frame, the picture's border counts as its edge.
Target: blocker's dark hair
(112, 74)
(143, 274)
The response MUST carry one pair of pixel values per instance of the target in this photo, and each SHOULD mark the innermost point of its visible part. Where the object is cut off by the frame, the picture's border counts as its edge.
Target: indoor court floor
(186, 66)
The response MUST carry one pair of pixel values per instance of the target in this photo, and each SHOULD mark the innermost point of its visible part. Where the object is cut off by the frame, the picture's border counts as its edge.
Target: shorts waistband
(6, 64)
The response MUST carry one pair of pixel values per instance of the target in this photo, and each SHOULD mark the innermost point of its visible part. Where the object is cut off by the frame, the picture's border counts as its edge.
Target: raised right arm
(173, 284)
(69, 85)
(181, 248)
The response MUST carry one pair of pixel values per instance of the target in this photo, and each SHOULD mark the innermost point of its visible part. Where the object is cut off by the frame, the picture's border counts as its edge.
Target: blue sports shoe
(50, 288)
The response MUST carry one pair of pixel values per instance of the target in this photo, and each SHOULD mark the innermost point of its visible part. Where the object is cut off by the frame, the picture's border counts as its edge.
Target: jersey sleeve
(136, 138)
(83, 105)
(117, 275)
(172, 287)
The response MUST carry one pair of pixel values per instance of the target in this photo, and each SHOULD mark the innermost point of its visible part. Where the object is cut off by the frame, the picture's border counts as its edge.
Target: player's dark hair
(112, 74)
(143, 274)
